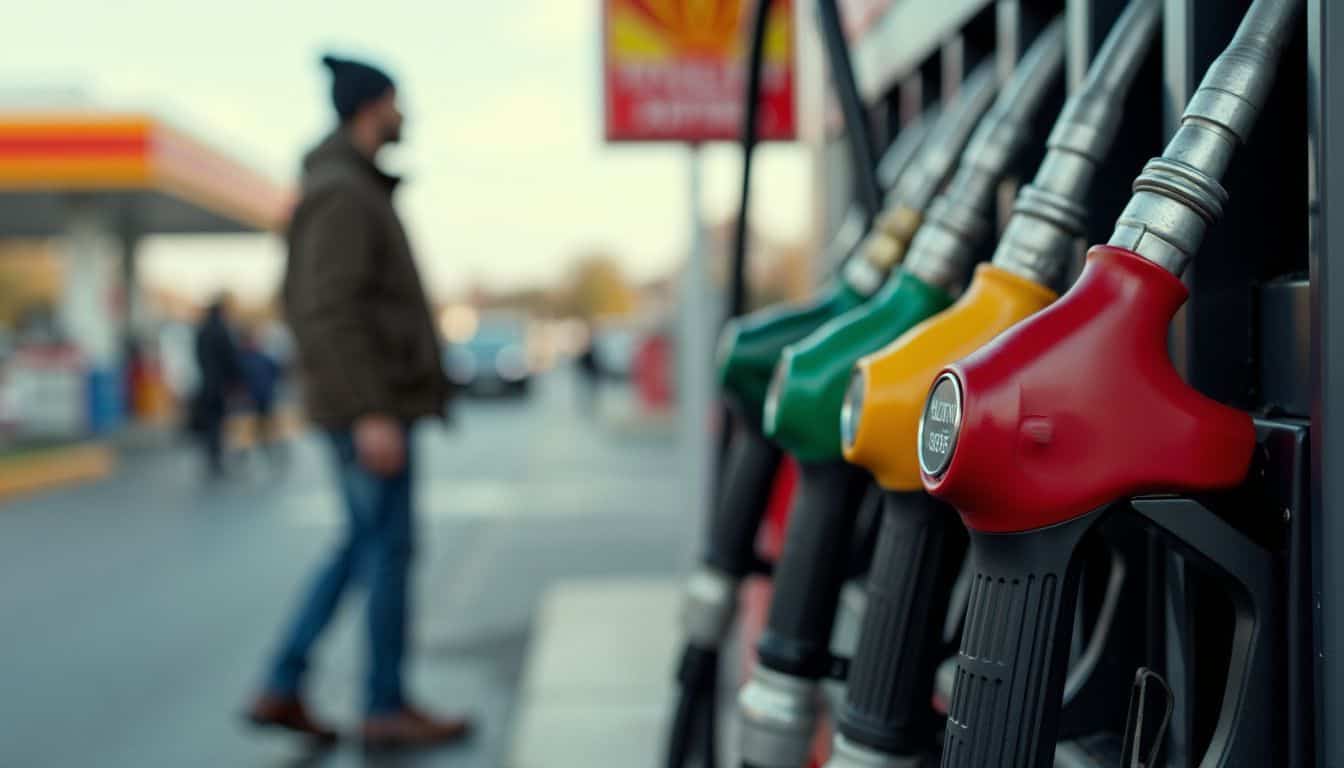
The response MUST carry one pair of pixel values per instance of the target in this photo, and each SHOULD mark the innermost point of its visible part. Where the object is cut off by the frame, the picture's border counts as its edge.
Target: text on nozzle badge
(939, 426)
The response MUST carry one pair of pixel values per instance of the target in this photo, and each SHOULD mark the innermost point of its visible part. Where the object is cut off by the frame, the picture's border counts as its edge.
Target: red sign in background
(675, 70)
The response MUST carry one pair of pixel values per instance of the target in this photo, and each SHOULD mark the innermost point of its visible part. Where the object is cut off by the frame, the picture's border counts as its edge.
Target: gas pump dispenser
(887, 721)
(917, 163)
(1075, 411)
(779, 703)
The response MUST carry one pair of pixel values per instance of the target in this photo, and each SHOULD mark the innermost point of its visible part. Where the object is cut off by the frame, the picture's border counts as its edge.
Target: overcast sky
(508, 178)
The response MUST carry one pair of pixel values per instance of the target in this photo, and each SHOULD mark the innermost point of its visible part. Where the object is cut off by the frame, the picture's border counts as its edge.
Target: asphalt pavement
(135, 613)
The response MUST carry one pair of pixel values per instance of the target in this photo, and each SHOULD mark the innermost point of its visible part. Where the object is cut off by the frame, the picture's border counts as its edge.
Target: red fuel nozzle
(1030, 438)
(1078, 407)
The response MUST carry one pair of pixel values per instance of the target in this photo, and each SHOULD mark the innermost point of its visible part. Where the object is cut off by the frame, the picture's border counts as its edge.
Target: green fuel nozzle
(750, 346)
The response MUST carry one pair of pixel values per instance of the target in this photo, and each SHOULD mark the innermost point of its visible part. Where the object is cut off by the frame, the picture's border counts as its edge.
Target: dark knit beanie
(354, 84)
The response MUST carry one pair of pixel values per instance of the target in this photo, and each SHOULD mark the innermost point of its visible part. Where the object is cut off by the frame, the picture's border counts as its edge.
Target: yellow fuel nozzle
(881, 416)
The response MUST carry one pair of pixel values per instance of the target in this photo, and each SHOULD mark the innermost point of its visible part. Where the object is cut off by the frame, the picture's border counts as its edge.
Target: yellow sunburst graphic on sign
(657, 29)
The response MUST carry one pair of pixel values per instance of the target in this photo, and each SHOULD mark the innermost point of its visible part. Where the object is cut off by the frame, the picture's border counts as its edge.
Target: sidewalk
(597, 686)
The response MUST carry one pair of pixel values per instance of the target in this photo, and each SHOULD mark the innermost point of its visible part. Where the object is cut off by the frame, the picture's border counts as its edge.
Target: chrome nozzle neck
(958, 220)
(1179, 194)
(870, 258)
(1049, 214)
(947, 139)
(900, 156)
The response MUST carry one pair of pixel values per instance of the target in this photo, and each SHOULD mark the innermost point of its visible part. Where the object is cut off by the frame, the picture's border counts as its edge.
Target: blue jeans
(377, 547)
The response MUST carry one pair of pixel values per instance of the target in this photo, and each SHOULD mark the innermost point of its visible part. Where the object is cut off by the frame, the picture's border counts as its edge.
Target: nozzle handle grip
(1009, 685)
(919, 551)
(748, 474)
(811, 571)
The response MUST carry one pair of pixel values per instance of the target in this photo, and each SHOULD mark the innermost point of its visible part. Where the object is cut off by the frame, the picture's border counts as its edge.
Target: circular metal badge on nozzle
(940, 425)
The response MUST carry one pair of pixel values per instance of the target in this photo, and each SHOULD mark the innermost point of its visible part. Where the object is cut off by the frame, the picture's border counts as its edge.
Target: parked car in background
(494, 360)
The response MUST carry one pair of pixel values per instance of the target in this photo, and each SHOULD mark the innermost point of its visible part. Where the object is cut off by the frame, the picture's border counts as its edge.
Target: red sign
(675, 70)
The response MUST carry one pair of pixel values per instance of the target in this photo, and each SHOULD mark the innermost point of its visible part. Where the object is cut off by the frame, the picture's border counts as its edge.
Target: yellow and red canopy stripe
(93, 151)
(59, 152)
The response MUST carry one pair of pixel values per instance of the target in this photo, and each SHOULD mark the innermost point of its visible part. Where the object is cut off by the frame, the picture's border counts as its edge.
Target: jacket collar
(338, 149)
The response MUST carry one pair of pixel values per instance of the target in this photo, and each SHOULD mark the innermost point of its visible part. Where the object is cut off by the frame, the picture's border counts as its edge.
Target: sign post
(674, 71)
(700, 319)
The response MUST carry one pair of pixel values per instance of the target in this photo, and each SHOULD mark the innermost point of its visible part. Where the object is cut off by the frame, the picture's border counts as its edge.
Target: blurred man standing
(220, 373)
(370, 359)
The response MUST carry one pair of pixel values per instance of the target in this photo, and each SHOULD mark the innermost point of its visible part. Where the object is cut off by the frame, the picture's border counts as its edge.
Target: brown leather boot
(288, 713)
(411, 727)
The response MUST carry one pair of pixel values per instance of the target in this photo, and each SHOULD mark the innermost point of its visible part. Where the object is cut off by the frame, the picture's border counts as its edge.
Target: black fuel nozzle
(779, 703)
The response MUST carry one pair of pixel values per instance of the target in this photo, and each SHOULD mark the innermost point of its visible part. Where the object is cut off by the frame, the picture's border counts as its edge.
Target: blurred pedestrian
(369, 356)
(220, 374)
(261, 376)
(590, 371)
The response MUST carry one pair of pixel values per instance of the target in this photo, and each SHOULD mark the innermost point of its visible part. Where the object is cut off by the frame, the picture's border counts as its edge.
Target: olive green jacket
(353, 297)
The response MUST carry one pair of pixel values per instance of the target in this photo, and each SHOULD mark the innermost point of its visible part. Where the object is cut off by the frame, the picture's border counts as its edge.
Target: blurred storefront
(78, 192)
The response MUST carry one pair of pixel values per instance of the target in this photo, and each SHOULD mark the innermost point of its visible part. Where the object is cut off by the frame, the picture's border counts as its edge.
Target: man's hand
(380, 444)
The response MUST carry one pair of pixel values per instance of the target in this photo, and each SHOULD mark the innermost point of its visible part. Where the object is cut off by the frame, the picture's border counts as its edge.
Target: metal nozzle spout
(863, 269)
(896, 161)
(942, 140)
(1179, 194)
(947, 139)
(1049, 213)
(848, 237)
(958, 219)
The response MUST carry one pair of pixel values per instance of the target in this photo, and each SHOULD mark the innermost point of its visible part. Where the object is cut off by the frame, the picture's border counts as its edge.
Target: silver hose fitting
(881, 251)
(849, 754)
(862, 271)
(779, 715)
(1179, 194)
(959, 218)
(846, 249)
(1049, 213)
(709, 604)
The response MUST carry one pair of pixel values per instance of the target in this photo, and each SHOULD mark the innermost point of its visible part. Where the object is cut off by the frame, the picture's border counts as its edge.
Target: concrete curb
(597, 686)
(51, 468)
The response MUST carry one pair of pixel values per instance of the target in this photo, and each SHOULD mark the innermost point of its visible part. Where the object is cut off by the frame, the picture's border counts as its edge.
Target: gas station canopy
(151, 176)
